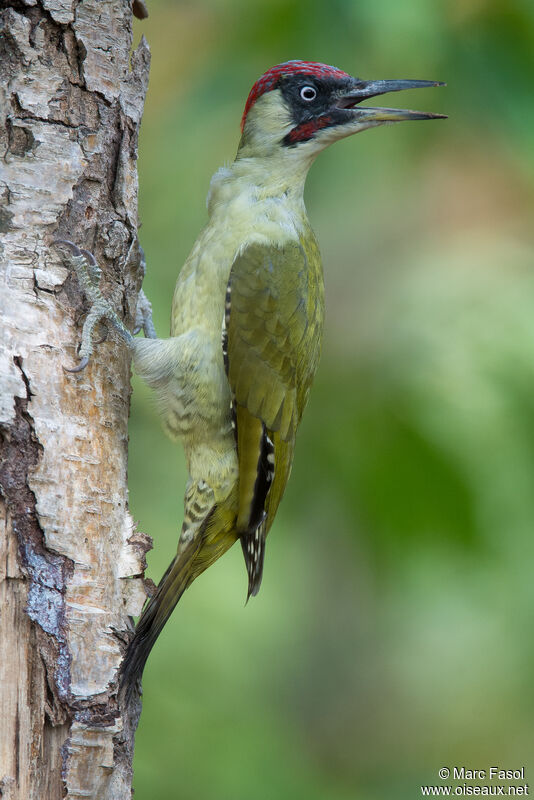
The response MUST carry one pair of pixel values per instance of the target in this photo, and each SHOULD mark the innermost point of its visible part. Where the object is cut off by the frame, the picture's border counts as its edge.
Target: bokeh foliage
(393, 633)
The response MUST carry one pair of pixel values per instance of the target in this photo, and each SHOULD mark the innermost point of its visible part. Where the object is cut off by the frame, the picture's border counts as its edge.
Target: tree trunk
(71, 99)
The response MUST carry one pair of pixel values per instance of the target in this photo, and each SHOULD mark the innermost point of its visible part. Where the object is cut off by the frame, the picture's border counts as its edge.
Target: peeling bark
(71, 100)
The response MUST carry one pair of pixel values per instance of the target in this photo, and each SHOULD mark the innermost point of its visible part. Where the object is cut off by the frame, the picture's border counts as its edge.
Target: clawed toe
(72, 247)
(82, 365)
(89, 274)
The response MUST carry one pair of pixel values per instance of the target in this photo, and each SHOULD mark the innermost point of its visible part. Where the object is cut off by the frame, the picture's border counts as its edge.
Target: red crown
(269, 80)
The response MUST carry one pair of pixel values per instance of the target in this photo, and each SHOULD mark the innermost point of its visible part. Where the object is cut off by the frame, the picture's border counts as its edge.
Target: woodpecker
(233, 379)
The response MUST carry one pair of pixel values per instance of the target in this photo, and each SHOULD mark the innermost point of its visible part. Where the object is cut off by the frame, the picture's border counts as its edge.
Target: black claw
(89, 256)
(78, 251)
(74, 247)
(82, 365)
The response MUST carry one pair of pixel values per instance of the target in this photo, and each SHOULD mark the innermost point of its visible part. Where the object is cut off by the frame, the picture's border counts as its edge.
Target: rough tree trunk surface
(71, 99)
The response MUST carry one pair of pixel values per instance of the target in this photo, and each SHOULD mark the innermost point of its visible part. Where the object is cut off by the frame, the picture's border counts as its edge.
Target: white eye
(308, 93)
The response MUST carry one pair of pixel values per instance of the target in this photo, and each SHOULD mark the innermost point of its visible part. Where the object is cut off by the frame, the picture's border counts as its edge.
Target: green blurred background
(393, 633)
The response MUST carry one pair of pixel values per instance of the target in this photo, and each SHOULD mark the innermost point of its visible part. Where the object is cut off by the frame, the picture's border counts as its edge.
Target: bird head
(300, 107)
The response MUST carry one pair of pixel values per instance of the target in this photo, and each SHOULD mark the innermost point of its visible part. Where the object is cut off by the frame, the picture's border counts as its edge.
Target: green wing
(274, 320)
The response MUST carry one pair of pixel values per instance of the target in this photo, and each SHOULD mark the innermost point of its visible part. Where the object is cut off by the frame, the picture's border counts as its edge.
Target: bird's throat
(261, 181)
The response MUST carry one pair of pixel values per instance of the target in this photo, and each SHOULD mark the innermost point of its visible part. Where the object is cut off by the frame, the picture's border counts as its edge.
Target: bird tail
(175, 581)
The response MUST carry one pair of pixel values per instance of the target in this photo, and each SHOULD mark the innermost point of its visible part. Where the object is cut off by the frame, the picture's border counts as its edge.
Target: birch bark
(71, 564)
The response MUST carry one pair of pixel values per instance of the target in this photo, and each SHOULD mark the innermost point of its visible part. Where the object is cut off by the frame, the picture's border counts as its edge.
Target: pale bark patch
(71, 563)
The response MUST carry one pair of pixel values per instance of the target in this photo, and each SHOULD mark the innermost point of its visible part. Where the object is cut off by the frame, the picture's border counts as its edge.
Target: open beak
(362, 90)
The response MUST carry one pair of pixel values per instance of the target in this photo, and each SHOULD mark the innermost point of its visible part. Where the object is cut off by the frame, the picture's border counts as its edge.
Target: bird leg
(101, 310)
(143, 317)
(143, 312)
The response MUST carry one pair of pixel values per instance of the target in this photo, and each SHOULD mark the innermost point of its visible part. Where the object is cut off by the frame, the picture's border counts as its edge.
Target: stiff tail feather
(152, 620)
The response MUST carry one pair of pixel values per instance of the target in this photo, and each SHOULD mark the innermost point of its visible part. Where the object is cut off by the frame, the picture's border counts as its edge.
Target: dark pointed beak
(362, 90)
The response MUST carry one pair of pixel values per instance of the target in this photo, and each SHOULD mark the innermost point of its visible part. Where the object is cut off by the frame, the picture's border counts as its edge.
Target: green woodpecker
(233, 379)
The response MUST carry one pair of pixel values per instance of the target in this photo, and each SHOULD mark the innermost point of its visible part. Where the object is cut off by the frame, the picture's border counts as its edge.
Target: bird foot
(143, 317)
(143, 312)
(101, 310)
(89, 274)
